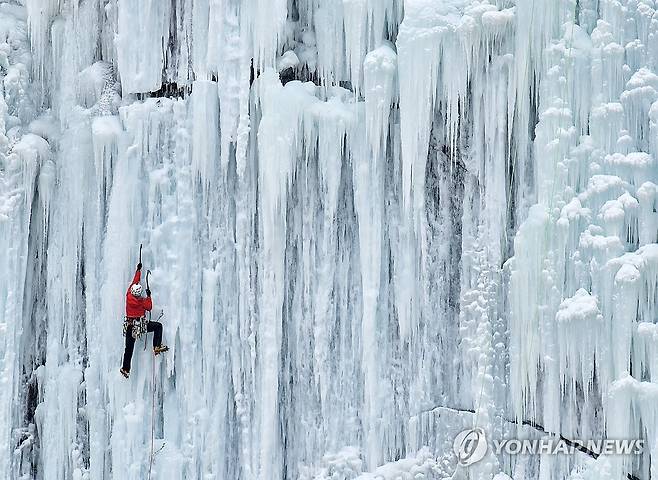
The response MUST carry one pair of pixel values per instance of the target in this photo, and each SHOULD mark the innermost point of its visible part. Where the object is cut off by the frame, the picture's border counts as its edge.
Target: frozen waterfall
(371, 225)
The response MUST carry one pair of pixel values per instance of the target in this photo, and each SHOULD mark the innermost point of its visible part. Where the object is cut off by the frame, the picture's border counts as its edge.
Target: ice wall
(583, 277)
(370, 225)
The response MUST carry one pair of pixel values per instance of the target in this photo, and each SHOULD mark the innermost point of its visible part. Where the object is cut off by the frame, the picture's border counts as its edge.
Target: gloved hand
(148, 292)
(139, 266)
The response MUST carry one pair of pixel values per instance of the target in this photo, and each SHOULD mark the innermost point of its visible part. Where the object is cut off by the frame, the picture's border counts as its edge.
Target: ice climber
(135, 323)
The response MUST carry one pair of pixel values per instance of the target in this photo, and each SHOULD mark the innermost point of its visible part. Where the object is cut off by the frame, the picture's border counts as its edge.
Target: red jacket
(137, 306)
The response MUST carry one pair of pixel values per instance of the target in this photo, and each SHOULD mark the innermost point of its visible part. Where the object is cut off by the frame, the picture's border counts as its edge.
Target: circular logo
(470, 446)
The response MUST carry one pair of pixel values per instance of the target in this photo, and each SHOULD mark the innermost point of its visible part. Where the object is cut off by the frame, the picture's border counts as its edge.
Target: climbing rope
(152, 415)
(152, 453)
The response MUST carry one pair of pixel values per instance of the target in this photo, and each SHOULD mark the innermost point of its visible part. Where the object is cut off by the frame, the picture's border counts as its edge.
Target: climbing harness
(138, 326)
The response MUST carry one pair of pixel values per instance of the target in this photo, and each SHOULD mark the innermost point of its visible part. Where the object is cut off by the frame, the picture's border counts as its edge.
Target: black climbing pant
(155, 327)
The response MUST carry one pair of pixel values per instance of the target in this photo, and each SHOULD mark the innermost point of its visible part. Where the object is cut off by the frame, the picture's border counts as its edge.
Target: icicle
(205, 133)
(579, 322)
(40, 14)
(380, 67)
(330, 41)
(267, 20)
(278, 140)
(640, 93)
(418, 41)
(526, 309)
(143, 33)
(647, 196)
(355, 18)
(328, 256)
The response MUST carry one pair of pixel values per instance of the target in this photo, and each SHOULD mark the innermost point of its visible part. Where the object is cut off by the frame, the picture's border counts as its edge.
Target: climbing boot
(125, 373)
(160, 348)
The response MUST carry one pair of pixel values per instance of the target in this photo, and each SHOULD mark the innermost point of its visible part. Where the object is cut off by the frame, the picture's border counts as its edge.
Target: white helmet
(136, 289)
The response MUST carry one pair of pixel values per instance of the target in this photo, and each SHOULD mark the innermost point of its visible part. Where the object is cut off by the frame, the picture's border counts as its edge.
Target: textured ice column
(422, 466)
(366, 22)
(40, 14)
(325, 127)
(641, 91)
(106, 138)
(203, 24)
(205, 39)
(488, 158)
(260, 269)
(380, 76)
(645, 343)
(630, 402)
(142, 36)
(181, 280)
(529, 321)
(355, 19)
(419, 39)
(579, 323)
(127, 402)
(608, 74)
(267, 20)
(383, 19)
(73, 37)
(606, 124)
(66, 338)
(482, 82)
(634, 304)
(525, 314)
(153, 191)
(537, 22)
(602, 173)
(369, 168)
(345, 30)
(242, 353)
(27, 181)
(574, 55)
(228, 59)
(620, 425)
(542, 272)
(205, 133)
(189, 35)
(555, 137)
(18, 182)
(206, 325)
(647, 196)
(476, 322)
(278, 140)
(330, 41)
(421, 32)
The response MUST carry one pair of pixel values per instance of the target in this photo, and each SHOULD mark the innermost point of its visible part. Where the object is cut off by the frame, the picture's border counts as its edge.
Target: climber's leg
(156, 328)
(130, 346)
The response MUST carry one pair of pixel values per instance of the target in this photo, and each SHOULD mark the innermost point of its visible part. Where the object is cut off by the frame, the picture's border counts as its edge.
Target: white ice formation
(371, 224)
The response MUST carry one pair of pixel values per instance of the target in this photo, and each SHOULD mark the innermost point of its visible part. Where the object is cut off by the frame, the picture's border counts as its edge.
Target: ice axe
(148, 272)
